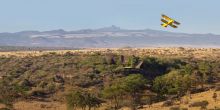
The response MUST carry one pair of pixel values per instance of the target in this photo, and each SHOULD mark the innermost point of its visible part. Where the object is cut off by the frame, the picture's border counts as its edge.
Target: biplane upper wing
(166, 17)
(164, 21)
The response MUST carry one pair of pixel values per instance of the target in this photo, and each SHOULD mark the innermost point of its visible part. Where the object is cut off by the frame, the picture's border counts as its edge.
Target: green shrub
(175, 108)
(168, 103)
(184, 108)
(5, 109)
(82, 100)
(199, 104)
(130, 86)
(172, 83)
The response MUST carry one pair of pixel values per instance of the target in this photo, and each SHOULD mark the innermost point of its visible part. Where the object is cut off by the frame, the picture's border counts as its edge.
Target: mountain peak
(112, 36)
(58, 31)
(111, 28)
(114, 27)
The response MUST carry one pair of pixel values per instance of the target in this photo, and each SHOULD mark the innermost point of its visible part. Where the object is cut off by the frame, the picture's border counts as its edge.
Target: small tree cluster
(83, 100)
(9, 93)
(172, 83)
(130, 86)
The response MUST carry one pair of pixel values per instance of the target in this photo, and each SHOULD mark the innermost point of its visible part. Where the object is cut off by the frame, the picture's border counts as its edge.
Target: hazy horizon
(108, 27)
(195, 16)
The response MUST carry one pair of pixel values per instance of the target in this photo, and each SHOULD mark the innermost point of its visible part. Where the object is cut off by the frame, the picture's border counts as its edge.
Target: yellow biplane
(167, 21)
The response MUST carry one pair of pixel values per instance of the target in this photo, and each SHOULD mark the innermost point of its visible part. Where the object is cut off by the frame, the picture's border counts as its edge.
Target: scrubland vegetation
(107, 81)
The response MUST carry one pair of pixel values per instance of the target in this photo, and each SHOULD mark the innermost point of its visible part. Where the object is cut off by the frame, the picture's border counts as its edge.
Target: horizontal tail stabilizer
(177, 23)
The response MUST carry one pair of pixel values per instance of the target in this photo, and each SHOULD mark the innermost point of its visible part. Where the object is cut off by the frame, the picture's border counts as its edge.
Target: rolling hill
(108, 37)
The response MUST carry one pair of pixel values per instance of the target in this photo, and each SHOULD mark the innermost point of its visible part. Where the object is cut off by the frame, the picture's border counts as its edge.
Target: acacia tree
(131, 85)
(82, 100)
(198, 79)
(188, 69)
(115, 93)
(7, 96)
(172, 83)
(133, 60)
(72, 100)
(206, 69)
(92, 101)
(10, 92)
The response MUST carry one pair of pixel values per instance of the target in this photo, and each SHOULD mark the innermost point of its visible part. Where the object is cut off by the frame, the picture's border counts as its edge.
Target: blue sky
(196, 16)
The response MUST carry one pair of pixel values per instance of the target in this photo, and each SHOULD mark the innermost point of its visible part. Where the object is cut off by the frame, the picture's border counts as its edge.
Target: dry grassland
(169, 52)
(207, 96)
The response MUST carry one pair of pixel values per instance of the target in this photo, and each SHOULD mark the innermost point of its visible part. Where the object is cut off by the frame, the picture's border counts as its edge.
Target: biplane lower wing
(165, 24)
(174, 26)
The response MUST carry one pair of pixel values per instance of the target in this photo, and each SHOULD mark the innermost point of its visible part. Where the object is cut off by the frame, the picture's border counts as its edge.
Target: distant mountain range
(107, 37)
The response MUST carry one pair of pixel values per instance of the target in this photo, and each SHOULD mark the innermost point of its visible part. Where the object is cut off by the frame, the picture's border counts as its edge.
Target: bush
(173, 83)
(217, 88)
(82, 99)
(37, 92)
(216, 108)
(175, 108)
(4, 109)
(178, 108)
(10, 93)
(130, 87)
(199, 104)
(168, 103)
(184, 108)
